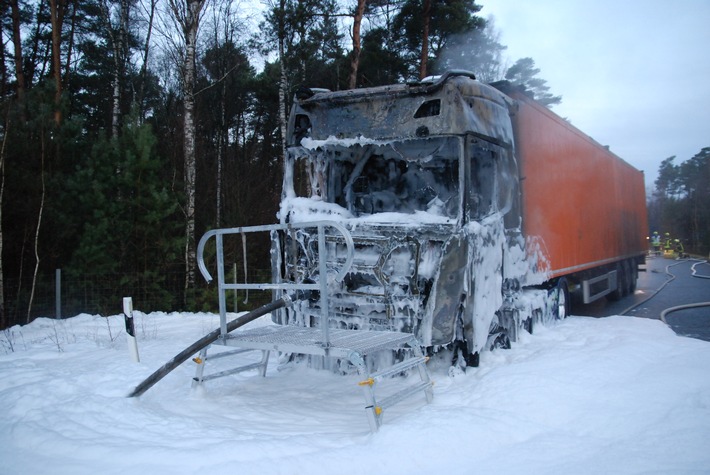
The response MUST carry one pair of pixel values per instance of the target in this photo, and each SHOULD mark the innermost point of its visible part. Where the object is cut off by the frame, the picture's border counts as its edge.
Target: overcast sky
(633, 74)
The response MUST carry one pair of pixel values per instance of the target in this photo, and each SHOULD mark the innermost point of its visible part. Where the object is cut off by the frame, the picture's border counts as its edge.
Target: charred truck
(447, 214)
(475, 213)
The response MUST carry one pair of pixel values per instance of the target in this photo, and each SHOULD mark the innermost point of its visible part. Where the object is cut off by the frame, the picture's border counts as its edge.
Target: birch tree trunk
(3, 52)
(144, 67)
(3, 317)
(425, 40)
(34, 56)
(17, 41)
(122, 58)
(56, 9)
(187, 15)
(37, 230)
(355, 60)
(117, 37)
(283, 83)
(221, 150)
(66, 82)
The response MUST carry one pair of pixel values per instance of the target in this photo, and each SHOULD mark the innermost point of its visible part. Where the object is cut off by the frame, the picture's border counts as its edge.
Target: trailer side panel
(586, 204)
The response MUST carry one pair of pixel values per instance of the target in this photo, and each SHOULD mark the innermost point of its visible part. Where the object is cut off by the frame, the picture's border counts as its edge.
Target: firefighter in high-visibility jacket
(679, 249)
(656, 243)
(667, 242)
(667, 246)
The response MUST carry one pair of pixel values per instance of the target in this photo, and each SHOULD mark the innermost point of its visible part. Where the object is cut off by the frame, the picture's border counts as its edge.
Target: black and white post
(130, 329)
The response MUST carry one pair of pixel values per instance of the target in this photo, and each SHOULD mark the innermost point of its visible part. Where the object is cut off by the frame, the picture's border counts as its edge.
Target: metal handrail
(322, 286)
(276, 227)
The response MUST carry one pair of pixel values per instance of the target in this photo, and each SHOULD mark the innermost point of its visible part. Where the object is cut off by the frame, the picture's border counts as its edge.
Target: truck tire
(633, 276)
(621, 287)
(562, 300)
(626, 265)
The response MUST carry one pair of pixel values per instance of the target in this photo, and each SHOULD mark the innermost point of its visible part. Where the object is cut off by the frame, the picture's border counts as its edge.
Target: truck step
(227, 372)
(225, 354)
(202, 359)
(395, 369)
(401, 395)
(375, 406)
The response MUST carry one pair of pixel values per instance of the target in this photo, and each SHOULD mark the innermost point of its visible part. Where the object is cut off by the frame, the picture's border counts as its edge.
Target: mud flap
(502, 330)
(470, 360)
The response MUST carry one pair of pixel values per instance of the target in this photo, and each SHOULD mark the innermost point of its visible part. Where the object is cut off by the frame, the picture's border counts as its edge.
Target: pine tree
(442, 18)
(680, 201)
(524, 73)
(131, 230)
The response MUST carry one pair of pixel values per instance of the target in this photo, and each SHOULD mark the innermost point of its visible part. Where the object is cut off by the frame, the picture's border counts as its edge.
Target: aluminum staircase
(358, 347)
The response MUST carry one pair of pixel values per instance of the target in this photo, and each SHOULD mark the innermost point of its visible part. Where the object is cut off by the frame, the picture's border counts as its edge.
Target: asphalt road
(665, 283)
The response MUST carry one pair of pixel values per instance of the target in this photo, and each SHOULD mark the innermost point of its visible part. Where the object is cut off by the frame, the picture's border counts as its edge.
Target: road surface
(666, 283)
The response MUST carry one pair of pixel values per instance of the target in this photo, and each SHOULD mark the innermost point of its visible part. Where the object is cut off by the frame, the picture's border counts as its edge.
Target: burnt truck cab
(424, 177)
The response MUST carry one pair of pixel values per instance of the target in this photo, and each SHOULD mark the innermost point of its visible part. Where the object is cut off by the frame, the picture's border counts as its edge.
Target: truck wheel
(628, 278)
(620, 289)
(633, 276)
(562, 301)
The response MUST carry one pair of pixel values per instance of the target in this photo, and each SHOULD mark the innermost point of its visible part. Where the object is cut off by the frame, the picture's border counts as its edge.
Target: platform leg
(264, 362)
(373, 413)
(423, 371)
(201, 361)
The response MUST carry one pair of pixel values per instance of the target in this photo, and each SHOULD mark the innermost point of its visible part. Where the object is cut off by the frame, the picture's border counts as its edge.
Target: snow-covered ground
(616, 395)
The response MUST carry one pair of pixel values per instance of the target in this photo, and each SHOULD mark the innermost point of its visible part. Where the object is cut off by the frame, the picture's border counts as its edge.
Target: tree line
(130, 127)
(680, 202)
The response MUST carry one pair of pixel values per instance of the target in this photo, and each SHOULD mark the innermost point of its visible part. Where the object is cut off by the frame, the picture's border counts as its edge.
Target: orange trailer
(586, 204)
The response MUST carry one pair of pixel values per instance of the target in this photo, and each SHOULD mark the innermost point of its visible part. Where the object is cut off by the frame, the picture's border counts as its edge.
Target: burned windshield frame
(493, 182)
(402, 176)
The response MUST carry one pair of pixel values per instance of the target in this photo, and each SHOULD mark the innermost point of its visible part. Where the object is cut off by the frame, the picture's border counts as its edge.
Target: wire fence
(58, 295)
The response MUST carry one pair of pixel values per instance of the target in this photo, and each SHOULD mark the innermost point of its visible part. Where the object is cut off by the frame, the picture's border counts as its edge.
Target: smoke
(478, 51)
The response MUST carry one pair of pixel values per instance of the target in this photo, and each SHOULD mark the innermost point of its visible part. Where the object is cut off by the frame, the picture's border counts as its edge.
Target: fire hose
(678, 307)
(691, 305)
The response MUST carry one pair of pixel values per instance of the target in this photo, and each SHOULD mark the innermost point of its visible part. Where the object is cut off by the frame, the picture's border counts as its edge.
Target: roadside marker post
(130, 329)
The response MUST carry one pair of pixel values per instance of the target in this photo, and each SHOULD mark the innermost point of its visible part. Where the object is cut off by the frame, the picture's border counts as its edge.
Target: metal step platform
(331, 344)
(308, 341)
(351, 345)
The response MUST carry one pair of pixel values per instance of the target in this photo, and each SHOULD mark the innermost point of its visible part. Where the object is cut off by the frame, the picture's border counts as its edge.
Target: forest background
(128, 128)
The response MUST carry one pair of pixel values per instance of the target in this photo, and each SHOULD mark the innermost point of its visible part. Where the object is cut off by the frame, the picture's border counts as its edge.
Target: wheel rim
(561, 302)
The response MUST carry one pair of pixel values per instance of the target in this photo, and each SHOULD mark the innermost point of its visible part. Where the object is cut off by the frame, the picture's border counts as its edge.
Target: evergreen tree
(524, 73)
(313, 54)
(668, 180)
(445, 18)
(225, 103)
(680, 201)
(380, 64)
(695, 175)
(131, 232)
